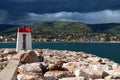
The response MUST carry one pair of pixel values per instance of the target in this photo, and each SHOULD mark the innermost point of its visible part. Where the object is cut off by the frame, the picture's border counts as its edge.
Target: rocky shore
(48, 64)
(5, 56)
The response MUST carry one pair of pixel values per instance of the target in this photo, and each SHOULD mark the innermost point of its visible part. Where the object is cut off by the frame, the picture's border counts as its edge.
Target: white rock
(1, 59)
(28, 77)
(116, 67)
(9, 57)
(80, 73)
(9, 51)
(94, 59)
(99, 79)
(71, 66)
(101, 67)
(55, 75)
(32, 67)
(73, 78)
(115, 75)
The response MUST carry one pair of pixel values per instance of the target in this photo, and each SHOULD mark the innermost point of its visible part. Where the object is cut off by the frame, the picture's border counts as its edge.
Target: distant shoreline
(66, 42)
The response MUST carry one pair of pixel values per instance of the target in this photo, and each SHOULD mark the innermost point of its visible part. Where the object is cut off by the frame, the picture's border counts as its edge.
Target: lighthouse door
(24, 41)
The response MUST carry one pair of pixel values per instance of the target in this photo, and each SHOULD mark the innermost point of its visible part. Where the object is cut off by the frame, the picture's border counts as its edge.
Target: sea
(105, 50)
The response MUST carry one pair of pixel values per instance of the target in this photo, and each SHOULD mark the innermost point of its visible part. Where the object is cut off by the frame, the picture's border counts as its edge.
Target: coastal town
(64, 37)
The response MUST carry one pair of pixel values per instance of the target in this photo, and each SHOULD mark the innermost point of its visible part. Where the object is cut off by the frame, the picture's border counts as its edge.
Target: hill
(105, 28)
(115, 30)
(7, 28)
(64, 27)
(60, 27)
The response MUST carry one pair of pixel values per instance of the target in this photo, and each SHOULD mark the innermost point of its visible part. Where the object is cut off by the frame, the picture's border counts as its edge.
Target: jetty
(48, 64)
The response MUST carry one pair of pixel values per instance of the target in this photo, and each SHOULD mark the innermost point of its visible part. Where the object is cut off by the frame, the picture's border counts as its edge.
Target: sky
(33, 11)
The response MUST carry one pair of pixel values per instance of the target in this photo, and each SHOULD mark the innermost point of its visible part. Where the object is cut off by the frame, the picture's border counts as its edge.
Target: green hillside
(48, 31)
(105, 28)
(64, 27)
(115, 30)
(59, 27)
(7, 28)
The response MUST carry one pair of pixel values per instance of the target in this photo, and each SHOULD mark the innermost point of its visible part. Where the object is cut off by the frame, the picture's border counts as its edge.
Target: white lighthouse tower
(24, 41)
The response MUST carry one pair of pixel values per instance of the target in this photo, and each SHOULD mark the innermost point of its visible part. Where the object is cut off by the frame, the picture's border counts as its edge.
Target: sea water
(105, 50)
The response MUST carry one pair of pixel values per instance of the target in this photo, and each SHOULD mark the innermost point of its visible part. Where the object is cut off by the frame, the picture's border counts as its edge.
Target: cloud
(3, 16)
(24, 1)
(53, 6)
(106, 16)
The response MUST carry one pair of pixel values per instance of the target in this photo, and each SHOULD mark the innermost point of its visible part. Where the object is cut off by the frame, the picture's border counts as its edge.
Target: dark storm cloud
(3, 16)
(45, 6)
(105, 16)
(50, 6)
(25, 11)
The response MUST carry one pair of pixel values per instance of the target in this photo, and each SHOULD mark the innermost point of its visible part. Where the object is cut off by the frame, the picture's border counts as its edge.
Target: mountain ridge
(103, 27)
(65, 26)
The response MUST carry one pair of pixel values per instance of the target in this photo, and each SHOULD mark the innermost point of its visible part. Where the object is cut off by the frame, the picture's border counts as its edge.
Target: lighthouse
(24, 41)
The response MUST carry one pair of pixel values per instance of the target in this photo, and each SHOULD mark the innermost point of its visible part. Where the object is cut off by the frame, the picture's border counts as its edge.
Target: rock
(1, 59)
(38, 51)
(104, 74)
(74, 78)
(1, 51)
(44, 67)
(65, 65)
(52, 67)
(116, 67)
(81, 73)
(84, 55)
(94, 76)
(31, 69)
(71, 66)
(9, 57)
(5, 63)
(98, 79)
(108, 78)
(1, 65)
(112, 78)
(97, 74)
(94, 59)
(114, 75)
(1, 56)
(55, 75)
(56, 66)
(5, 58)
(9, 51)
(29, 77)
(92, 73)
(39, 54)
(101, 67)
(41, 58)
(30, 57)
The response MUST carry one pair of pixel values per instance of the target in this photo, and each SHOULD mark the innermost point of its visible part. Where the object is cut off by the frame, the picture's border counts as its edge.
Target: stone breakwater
(48, 64)
(5, 56)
